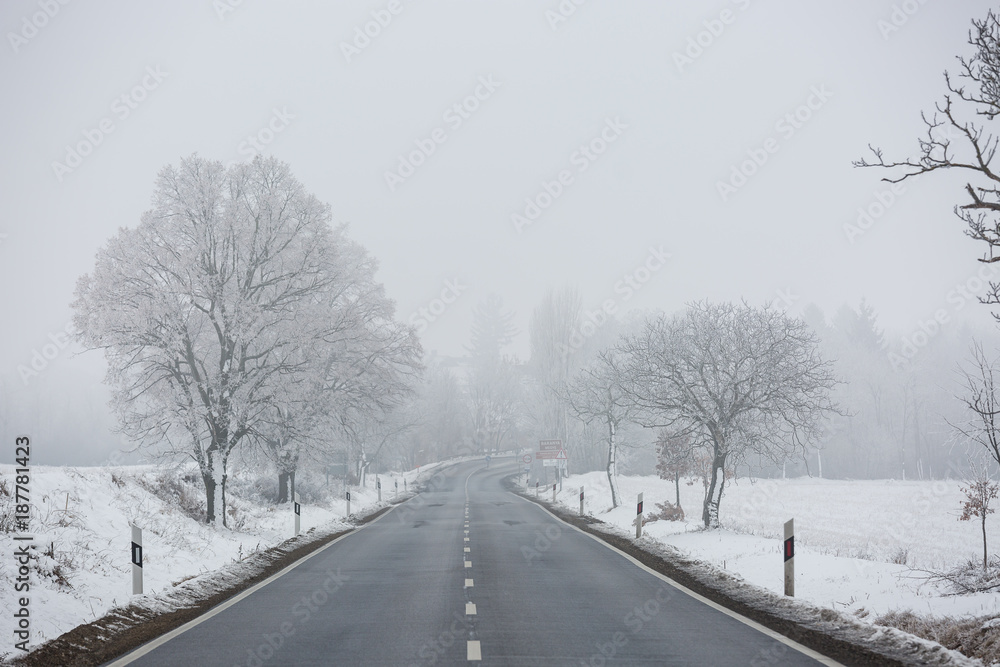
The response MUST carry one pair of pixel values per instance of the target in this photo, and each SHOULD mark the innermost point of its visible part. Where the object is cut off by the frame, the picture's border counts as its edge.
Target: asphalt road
(468, 571)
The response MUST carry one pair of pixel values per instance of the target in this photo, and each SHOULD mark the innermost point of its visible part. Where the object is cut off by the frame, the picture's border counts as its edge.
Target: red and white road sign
(547, 455)
(526, 458)
(562, 455)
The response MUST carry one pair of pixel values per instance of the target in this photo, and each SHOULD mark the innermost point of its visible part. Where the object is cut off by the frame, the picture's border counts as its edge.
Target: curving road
(468, 571)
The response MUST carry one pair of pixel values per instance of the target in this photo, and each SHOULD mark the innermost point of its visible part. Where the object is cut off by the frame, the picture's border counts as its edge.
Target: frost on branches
(210, 310)
(729, 380)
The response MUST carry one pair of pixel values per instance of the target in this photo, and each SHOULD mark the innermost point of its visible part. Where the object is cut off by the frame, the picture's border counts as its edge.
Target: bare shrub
(974, 637)
(669, 512)
(178, 490)
(6, 508)
(969, 577)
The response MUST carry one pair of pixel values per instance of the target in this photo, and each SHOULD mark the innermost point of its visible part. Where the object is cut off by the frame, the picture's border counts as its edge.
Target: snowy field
(80, 522)
(859, 544)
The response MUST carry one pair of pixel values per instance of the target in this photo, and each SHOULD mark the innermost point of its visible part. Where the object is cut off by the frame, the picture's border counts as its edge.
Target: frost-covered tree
(596, 395)
(444, 418)
(494, 384)
(981, 398)
(496, 394)
(206, 305)
(553, 325)
(359, 365)
(742, 380)
(492, 330)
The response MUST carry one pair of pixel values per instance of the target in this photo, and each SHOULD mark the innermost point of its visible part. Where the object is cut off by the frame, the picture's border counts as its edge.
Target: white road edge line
(777, 636)
(163, 639)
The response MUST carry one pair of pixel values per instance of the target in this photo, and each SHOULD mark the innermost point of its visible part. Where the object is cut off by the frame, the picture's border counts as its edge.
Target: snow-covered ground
(80, 522)
(858, 543)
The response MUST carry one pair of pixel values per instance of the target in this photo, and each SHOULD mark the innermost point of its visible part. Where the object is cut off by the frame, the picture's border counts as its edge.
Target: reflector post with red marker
(790, 558)
(638, 518)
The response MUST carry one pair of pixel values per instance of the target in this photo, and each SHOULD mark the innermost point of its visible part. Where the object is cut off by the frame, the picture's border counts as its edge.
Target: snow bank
(80, 522)
(857, 542)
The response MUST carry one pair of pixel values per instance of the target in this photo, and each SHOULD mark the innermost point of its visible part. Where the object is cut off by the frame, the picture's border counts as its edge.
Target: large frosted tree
(206, 305)
(733, 379)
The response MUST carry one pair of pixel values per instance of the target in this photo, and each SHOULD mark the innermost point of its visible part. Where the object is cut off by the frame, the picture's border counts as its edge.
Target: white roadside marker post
(348, 503)
(136, 560)
(396, 496)
(378, 485)
(790, 558)
(536, 489)
(298, 511)
(638, 518)
(581, 501)
(553, 492)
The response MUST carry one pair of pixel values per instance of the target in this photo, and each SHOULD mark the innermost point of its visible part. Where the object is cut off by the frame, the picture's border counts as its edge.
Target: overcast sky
(641, 108)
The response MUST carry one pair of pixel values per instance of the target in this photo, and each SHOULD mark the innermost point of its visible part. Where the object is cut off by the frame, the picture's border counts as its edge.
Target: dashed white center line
(466, 539)
(470, 609)
(474, 652)
(468, 583)
(468, 563)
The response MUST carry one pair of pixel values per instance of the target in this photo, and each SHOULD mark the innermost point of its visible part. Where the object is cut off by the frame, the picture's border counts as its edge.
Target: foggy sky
(172, 79)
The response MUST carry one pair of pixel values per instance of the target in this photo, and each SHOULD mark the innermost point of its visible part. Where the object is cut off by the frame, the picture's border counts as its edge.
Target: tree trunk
(710, 513)
(215, 487)
(209, 496)
(283, 479)
(677, 486)
(984, 537)
(613, 465)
